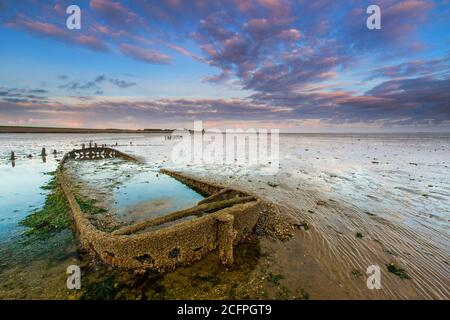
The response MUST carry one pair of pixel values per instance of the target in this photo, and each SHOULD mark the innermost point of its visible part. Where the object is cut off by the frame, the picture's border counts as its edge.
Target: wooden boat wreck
(222, 220)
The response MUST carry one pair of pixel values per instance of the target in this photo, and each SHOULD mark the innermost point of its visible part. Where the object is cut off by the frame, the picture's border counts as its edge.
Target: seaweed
(213, 279)
(393, 268)
(302, 295)
(87, 205)
(275, 278)
(53, 216)
(284, 293)
(105, 289)
(356, 273)
(305, 225)
(52, 184)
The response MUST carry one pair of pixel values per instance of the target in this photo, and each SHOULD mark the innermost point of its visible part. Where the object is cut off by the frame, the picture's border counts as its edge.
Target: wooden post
(225, 238)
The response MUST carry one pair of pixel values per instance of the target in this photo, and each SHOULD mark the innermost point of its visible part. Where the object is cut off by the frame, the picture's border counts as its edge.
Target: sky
(298, 66)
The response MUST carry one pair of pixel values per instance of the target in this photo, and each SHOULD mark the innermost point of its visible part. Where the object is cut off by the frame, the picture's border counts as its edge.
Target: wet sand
(327, 182)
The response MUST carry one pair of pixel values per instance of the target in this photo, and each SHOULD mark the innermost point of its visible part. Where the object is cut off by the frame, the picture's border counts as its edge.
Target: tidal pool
(133, 191)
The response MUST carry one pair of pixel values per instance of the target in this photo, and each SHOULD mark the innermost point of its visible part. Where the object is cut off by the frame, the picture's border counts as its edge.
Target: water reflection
(21, 192)
(135, 192)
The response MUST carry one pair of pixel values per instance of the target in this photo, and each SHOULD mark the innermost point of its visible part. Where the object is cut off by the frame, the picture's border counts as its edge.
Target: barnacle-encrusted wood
(223, 219)
(95, 153)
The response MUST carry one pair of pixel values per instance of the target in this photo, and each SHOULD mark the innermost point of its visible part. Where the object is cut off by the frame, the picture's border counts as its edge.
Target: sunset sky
(307, 66)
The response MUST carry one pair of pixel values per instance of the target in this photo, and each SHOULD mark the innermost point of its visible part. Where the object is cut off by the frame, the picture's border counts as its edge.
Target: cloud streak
(143, 54)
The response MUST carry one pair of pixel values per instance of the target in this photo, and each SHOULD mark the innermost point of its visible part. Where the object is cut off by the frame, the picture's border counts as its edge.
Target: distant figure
(131, 143)
(54, 152)
(117, 144)
(90, 144)
(29, 156)
(43, 153)
(13, 156)
(95, 145)
(83, 146)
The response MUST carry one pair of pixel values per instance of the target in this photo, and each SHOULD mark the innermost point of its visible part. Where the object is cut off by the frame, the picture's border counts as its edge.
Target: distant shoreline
(19, 129)
(25, 129)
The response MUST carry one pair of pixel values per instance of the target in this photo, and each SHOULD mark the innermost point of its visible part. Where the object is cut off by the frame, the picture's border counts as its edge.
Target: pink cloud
(108, 7)
(146, 55)
(91, 42)
(415, 7)
(50, 30)
(257, 25)
(118, 15)
(290, 35)
(40, 27)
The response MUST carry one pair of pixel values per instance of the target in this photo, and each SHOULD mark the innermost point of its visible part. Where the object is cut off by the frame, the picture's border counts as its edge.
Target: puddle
(133, 191)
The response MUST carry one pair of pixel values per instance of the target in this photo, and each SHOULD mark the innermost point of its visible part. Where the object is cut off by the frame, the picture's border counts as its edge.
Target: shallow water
(135, 192)
(395, 189)
(21, 192)
(21, 180)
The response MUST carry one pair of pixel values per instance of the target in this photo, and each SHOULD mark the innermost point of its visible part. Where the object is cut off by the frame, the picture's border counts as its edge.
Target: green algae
(393, 268)
(88, 205)
(52, 217)
(198, 278)
(282, 292)
(275, 278)
(302, 295)
(52, 184)
(356, 273)
(105, 289)
(305, 225)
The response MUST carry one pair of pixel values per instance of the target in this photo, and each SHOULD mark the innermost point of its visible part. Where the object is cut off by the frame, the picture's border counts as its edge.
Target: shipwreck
(220, 221)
